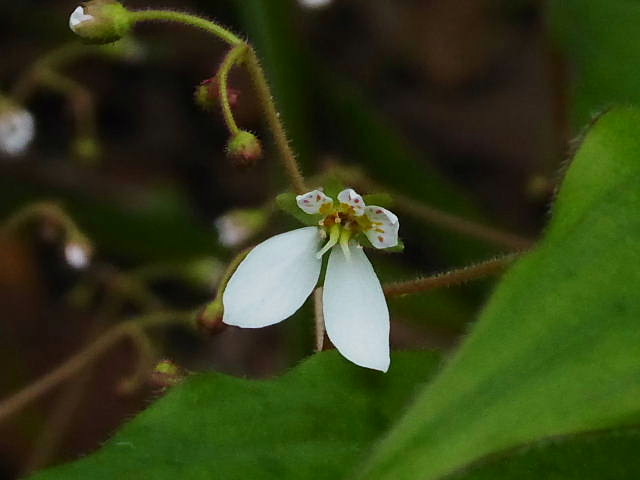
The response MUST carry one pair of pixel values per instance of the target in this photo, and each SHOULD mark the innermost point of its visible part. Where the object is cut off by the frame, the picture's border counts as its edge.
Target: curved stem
(287, 156)
(232, 58)
(81, 102)
(210, 318)
(26, 84)
(86, 356)
(187, 19)
(144, 365)
(451, 278)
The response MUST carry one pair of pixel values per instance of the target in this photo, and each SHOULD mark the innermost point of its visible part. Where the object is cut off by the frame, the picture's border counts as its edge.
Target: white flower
(278, 275)
(17, 129)
(79, 17)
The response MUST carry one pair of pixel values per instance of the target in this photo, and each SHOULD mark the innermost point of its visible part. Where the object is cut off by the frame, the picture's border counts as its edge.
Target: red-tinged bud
(167, 374)
(207, 94)
(100, 21)
(244, 149)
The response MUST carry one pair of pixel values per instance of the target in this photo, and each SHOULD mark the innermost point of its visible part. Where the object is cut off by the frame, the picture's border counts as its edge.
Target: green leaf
(313, 423)
(609, 455)
(287, 203)
(557, 350)
(600, 39)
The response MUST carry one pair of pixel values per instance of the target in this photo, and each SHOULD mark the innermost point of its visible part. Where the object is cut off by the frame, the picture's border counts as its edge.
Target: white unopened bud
(315, 3)
(17, 129)
(237, 226)
(100, 21)
(77, 255)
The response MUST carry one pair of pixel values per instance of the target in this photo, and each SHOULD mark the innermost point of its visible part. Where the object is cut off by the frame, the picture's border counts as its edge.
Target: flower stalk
(235, 56)
(247, 53)
(78, 362)
(210, 318)
(451, 278)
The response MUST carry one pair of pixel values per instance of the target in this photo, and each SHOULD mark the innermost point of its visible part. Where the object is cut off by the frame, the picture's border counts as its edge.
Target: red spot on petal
(357, 200)
(378, 211)
(306, 200)
(318, 197)
(381, 238)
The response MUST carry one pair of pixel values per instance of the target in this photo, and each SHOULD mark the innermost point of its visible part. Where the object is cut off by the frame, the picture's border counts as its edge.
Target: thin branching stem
(274, 122)
(232, 58)
(287, 156)
(186, 19)
(451, 278)
(86, 356)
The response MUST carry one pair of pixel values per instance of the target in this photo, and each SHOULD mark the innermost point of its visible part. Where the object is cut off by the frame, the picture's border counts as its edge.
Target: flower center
(342, 224)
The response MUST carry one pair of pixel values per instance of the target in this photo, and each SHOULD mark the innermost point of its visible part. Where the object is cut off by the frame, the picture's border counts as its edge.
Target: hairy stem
(86, 356)
(287, 156)
(451, 278)
(232, 58)
(186, 19)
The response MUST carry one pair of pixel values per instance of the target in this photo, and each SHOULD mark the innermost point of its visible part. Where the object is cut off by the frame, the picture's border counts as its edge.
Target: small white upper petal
(311, 202)
(353, 199)
(384, 227)
(77, 17)
(274, 280)
(355, 309)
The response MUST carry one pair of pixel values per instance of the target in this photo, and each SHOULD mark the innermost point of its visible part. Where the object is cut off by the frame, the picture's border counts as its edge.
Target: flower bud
(236, 226)
(87, 149)
(78, 254)
(167, 374)
(100, 21)
(210, 318)
(17, 129)
(244, 149)
(207, 94)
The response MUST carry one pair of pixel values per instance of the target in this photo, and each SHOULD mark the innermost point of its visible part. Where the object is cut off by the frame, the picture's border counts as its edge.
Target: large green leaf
(557, 350)
(610, 455)
(314, 422)
(602, 42)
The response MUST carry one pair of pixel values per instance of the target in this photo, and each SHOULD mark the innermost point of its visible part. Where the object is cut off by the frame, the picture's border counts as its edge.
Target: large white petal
(274, 280)
(355, 310)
